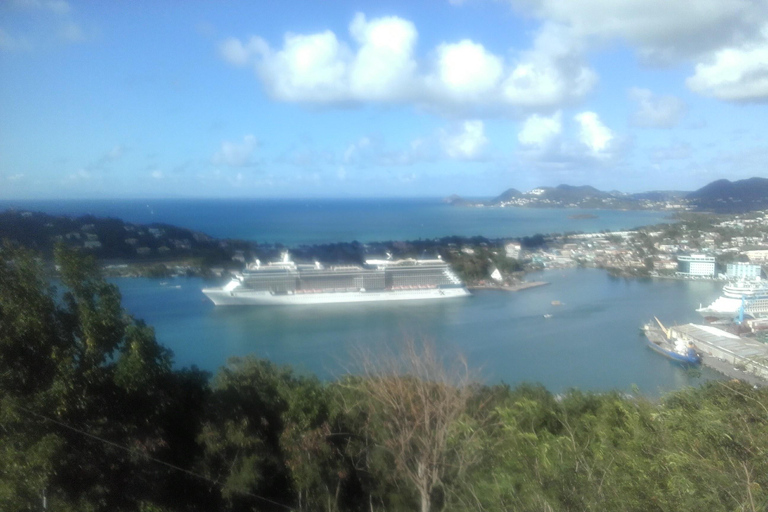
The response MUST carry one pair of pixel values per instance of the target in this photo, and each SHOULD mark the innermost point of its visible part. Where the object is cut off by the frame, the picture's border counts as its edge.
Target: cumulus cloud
(539, 131)
(593, 133)
(381, 66)
(465, 143)
(662, 30)
(551, 73)
(466, 71)
(236, 154)
(738, 73)
(655, 111)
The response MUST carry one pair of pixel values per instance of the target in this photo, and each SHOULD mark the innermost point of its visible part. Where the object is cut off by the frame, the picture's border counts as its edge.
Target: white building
(760, 255)
(512, 250)
(742, 271)
(696, 265)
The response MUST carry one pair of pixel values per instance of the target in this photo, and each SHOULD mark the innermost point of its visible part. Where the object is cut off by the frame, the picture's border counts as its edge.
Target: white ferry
(288, 283)
(752, 294)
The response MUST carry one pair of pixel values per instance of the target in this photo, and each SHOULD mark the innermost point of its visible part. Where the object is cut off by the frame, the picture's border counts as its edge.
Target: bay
(591, 342)
(316, 221)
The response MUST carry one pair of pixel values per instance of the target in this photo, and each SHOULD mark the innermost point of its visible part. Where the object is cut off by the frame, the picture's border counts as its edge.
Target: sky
(338, 99)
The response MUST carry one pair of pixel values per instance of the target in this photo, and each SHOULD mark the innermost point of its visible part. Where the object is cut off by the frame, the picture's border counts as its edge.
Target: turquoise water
(294, 222)
(591, 342)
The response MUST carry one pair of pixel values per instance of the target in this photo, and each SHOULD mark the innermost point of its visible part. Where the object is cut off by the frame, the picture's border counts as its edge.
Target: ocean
(294, 222)
(591, 341)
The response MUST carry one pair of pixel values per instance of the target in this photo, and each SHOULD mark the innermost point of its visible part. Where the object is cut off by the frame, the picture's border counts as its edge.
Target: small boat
(557, 303)
(659, 339)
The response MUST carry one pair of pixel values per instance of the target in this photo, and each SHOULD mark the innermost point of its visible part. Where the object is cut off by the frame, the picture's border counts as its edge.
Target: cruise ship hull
(245, 297)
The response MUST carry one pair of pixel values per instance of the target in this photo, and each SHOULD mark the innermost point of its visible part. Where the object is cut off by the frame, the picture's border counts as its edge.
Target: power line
(149, 457)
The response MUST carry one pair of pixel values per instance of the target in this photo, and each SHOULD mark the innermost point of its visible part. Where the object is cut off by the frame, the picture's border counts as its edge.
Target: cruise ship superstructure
(288, 283)
(752, 295)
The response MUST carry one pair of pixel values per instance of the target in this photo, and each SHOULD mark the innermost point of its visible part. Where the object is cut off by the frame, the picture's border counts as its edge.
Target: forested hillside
(95, 417)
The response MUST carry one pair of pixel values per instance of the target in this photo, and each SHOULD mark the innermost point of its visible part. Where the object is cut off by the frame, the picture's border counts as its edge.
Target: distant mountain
(455, 200)
(507, 195)
(719, 196)
(731, 196)
(659, 195)
(572, 194)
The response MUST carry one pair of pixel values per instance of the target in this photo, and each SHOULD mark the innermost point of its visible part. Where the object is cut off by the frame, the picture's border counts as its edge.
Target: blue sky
(361, 99)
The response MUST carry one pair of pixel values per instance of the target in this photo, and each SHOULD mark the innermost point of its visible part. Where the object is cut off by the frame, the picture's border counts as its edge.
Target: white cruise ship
(288, 283)
(752, 294)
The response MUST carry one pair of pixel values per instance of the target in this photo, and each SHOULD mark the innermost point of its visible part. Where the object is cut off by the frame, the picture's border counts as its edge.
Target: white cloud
(738, 73)
(236, 154)
(551, 73)
(593, 133)
(539, 131)
(465, 70)
(308, 68)
(662, 30)
(467, 143)
(655, 111)
(383, 67)
(321, 68)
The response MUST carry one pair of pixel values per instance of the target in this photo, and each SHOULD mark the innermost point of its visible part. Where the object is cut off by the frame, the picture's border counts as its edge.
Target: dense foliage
(93, 416)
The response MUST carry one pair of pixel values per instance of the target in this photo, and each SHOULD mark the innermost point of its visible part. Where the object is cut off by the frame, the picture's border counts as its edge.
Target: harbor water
(591, 341)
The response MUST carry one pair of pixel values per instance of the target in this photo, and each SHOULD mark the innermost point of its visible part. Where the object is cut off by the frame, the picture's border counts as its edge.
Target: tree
(416, 410)
(87, 393)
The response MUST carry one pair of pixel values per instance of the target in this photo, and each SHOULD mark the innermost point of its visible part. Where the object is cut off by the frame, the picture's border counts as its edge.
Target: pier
(734, 356)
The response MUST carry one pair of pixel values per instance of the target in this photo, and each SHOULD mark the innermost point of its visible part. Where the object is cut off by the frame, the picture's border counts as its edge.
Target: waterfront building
(742, 270)
(513, 249)
(757, 255)
(696, 265)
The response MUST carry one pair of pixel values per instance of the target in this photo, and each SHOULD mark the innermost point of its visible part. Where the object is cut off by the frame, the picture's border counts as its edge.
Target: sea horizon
(295, 222)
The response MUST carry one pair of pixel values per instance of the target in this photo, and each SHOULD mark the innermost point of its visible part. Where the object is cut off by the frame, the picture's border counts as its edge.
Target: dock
(524, 285)
(734, 356)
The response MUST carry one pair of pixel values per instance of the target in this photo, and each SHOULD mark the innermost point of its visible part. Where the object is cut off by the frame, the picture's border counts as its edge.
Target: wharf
(731, 355)
(509, 288)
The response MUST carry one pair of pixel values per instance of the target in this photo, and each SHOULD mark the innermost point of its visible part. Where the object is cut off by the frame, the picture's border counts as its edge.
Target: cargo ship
(286, 282)
(678, 350)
